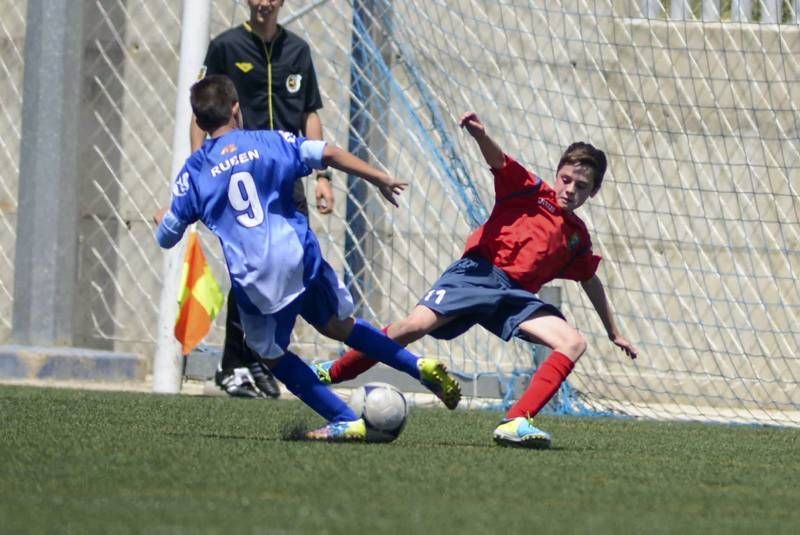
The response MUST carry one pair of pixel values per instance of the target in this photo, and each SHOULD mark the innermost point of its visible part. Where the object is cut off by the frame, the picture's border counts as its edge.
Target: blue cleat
(353, 431)
(522, 433)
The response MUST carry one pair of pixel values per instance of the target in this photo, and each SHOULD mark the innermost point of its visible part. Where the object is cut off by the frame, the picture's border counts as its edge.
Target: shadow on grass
(224, 436)
(296, 433)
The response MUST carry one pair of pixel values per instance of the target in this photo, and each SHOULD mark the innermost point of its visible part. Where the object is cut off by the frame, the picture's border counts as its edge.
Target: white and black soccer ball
(384, 409)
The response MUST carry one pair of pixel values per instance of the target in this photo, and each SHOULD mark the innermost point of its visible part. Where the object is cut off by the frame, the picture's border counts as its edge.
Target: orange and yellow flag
(200, 298)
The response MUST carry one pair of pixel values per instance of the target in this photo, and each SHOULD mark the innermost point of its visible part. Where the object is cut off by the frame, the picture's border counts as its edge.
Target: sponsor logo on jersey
(547, 205)
(244, 66)
(202, 73)
(181, 185)
(236, 159)
(293, 82)
(288, 136)
(228, 149)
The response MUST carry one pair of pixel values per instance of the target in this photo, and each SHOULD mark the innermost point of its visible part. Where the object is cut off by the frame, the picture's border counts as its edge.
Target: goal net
(696, 105)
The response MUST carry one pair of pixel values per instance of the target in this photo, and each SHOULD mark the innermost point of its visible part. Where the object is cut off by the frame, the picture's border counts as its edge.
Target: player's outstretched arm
(323, 192)
(597, 295)
(343, 160)
(170, 229)
(491, 151)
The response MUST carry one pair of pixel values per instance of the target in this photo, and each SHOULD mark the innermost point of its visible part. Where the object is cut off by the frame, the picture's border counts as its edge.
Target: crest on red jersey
(573, 241)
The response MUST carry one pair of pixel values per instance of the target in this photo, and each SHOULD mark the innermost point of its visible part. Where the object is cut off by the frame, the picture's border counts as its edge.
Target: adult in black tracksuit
(274, 75)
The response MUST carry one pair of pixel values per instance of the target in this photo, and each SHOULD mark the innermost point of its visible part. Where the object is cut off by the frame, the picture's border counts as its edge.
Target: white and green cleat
(433, 375)
(353, 431)
(520, 432)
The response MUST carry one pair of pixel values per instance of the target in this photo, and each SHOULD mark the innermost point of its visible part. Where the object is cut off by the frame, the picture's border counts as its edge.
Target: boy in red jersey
(531, 237)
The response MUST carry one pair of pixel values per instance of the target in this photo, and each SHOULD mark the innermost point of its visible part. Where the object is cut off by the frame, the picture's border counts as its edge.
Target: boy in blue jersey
(239, 184)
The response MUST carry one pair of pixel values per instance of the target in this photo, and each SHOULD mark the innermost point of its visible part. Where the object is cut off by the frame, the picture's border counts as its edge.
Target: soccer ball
(384, 409)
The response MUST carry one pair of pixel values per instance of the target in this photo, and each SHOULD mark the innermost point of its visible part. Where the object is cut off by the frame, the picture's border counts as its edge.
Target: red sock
(544, 385)
(352, 364)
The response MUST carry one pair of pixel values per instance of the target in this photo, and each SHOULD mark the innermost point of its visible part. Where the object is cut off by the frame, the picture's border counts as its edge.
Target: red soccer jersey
(529, 236)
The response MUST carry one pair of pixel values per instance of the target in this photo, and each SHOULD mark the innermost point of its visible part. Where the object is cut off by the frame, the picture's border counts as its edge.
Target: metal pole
(46, 257)
(167, 362)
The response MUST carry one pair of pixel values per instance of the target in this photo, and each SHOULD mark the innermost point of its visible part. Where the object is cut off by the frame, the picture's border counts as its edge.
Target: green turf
(80, 462)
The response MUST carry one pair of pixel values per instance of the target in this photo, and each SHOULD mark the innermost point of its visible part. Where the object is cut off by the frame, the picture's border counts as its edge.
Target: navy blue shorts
(480, 293)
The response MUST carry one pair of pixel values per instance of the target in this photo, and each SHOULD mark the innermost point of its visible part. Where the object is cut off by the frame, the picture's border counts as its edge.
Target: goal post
(168, 361)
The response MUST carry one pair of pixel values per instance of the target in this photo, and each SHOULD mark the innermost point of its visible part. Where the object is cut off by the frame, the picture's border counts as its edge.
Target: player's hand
(159, 215)
(323, 192)
(622, 343)
(390, 190)
(472, 124)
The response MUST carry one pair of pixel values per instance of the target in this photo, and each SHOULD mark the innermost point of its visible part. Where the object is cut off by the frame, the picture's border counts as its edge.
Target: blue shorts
(325, 296)
(480, 293)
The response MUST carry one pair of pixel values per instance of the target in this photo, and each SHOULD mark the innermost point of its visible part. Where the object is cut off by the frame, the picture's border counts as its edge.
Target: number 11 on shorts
(439, 295)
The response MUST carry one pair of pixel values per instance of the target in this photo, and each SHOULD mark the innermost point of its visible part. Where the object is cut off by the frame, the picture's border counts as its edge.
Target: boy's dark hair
(586, 155)
(212, 99)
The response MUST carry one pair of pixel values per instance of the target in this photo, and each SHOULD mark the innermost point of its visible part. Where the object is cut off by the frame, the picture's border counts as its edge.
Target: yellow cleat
(323, 371)
(433, 375)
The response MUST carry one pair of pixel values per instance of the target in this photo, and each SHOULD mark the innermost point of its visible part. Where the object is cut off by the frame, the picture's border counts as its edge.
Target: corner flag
(200, 297)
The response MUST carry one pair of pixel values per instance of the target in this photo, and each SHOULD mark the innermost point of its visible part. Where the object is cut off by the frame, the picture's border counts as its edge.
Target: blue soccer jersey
(240, 186)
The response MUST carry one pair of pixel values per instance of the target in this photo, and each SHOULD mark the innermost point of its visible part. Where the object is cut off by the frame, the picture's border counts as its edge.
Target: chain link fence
(699, 217)
(12, 44)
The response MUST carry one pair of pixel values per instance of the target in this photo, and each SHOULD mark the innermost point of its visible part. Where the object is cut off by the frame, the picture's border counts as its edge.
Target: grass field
(76, 461)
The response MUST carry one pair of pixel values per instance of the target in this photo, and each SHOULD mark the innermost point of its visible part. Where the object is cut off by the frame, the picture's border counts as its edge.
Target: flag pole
(167, 361)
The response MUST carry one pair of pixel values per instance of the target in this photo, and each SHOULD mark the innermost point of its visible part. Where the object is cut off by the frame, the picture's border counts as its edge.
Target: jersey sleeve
(214, 62)
(584, 265)
(170, 230)
(184, 204)
(182, 211)
(311, 153)
(313, 99)
(295, 159)
(513, 178)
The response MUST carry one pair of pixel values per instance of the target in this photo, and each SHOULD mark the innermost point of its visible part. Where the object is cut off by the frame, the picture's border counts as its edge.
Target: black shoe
(238, 382)
(265, 381)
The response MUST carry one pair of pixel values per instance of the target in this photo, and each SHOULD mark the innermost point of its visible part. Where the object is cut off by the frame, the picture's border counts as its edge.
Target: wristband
(324, 173)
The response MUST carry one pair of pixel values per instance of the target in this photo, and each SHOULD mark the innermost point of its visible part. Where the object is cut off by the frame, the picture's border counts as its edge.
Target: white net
(12, 43)
(698, 111)
(130, 61)
(698, 220)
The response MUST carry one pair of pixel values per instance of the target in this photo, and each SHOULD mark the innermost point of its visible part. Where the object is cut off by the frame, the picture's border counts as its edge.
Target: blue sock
(304, 383)
(378, 346)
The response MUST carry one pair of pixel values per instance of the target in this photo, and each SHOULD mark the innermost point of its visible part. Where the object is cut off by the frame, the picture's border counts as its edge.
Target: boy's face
(574, 185)
(264, 10)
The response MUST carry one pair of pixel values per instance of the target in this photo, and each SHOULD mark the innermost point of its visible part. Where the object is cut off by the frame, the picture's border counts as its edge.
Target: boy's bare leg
(417, 324)
(432, 373)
